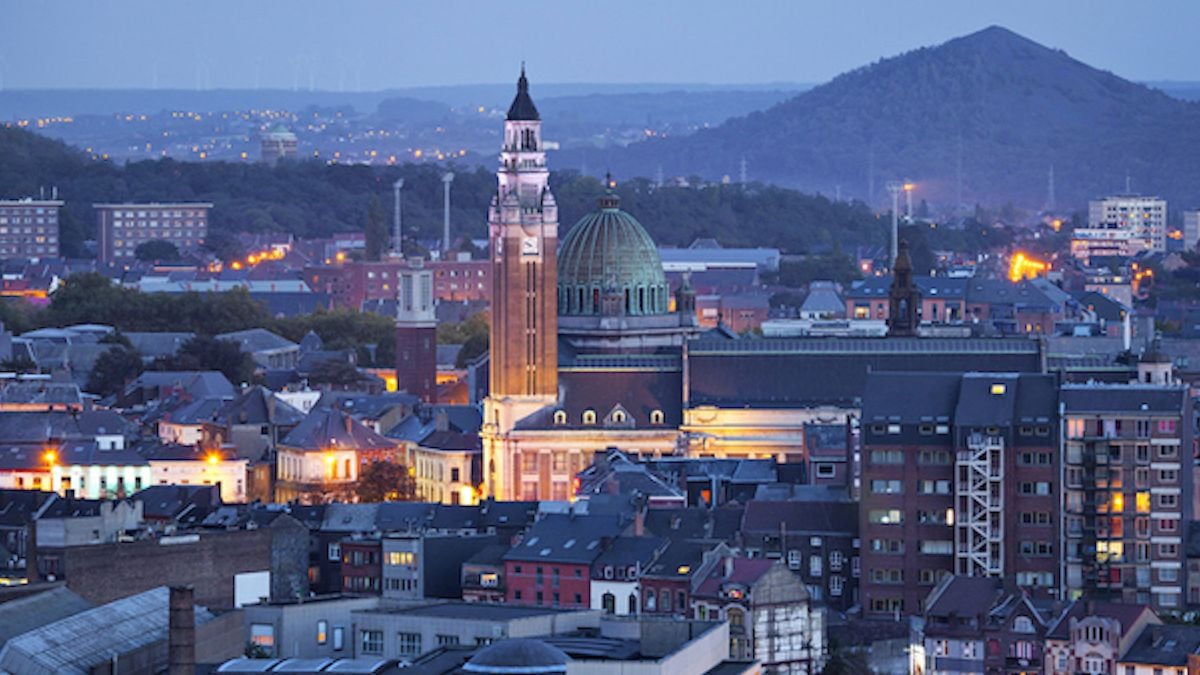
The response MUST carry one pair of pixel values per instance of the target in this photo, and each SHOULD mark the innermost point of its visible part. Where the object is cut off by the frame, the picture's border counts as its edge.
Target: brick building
(29, 228)
(959, 477)
(121, 228)
(551, 566)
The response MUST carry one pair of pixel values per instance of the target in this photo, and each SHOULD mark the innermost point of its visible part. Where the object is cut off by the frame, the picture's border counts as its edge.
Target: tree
(375, 230)
(113, 370)
(335, 372)
(385, 482)
(208, 353)
(156, 250)
(18, 364)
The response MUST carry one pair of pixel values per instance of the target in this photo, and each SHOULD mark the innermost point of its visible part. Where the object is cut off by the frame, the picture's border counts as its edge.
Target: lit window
(589, 416)
(998, 389)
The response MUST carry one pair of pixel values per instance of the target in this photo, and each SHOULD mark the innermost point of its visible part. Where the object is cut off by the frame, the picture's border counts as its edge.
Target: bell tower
(523, 238)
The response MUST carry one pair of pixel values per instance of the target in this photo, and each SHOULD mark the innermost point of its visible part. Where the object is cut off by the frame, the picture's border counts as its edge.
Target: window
(322, 632)
(263, 635)
(651, 601)
(1035, 517)
(339, 638)
(936, 547)
(887, 546)
(560, 417)
(886, 516)
(400, 558)
(835, 585)
(335, 551)
(835, 561)
(1167, 451)
(1168, 475)
(886, 487)
(814, 565)
(656, 417)
(372, 642)
(1167, 426)
(444, 640)
(887, 457)
(826, 471)
(409, 644)
(933, 487)
(589, 416)
(1038, 488)
(939, 457)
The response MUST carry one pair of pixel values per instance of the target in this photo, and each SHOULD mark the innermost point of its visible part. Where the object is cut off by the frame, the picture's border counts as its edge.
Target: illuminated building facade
(959, 476)
(29, 228)
(123, 227)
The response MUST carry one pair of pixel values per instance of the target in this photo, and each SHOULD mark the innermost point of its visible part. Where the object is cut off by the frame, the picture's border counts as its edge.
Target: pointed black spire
(522, 108)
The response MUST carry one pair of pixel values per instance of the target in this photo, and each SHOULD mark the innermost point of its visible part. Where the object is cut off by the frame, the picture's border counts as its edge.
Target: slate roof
(259, 340)
(834, 517)
(964, 596)
(629, 551)
(74, 645)
(565, 538)
(197, 411)
(1164, 645)
(258, 406)
(22, 615)
(325, 427)
(196, 383)
(745, 572)
(166, 502)
(68, 453)
(789, 372)
(101, 423)
(679, 555)
(823, 298)
(1101, 398)
(522, 108)
(368, 406)
(41, 392)
(638, 390)
(153, 345)
(1126, 614)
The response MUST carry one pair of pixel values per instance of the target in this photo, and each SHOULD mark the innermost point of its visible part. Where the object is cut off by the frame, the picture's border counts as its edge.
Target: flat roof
(479, 611)
(157, 205)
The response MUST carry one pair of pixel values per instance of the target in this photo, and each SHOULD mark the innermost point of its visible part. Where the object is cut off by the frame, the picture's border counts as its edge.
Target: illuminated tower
(523, 230)
(416, 332)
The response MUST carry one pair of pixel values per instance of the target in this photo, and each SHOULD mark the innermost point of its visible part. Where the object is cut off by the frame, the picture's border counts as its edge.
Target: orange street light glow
(1023, 267)
(213, 458)
(51, 457)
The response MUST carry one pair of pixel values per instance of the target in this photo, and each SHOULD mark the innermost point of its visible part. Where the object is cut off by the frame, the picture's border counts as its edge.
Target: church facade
(586, 354)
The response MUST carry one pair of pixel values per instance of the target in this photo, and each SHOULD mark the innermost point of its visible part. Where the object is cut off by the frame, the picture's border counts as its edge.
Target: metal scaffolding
(979, 507)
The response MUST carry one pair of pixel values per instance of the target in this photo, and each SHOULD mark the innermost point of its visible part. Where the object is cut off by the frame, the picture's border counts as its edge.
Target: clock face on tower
(529, 246)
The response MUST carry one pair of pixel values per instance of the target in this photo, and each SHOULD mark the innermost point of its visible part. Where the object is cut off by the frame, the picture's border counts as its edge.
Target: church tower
(523, 231)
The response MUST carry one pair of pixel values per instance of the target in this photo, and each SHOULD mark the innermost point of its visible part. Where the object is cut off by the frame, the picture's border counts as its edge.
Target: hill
(312, 199)
(1004, 106)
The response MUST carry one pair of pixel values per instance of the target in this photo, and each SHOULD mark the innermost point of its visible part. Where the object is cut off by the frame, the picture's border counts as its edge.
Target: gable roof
(566, 538)
(326, 427)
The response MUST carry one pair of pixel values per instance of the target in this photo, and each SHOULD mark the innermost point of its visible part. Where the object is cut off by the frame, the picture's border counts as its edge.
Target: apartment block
(1122, 225)
(959, 477)
(121, 228)
(29, 228)
(1127, 455)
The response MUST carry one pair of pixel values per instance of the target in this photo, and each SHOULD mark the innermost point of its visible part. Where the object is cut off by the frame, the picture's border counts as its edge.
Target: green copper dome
(609, 265)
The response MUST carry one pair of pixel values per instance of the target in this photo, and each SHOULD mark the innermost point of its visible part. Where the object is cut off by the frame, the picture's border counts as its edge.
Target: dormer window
(589, 416)
(560, 417)
(618, 417)
(656, 417)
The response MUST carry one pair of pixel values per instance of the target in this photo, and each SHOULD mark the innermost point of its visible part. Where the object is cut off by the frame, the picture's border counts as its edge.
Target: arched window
(1022, 624)
(589, 416)
(641, 300)
(664, 600)
(618, 416)
(633, 603)
(560, 417)
(651, 600)
(656, 417)
(609, 603)
(627, 308)
(595, 308)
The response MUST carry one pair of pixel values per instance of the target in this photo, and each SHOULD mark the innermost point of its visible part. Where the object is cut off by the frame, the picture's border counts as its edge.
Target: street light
(909, 186)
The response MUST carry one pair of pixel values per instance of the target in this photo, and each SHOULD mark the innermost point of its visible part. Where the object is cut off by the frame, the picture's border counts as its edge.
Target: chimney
(181, 640)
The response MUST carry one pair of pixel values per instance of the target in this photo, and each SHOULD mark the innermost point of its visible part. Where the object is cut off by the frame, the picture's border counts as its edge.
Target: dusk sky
(377, 44)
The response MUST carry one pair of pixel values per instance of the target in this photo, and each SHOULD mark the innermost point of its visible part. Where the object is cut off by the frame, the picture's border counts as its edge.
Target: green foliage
(18, 364)
(92, 298)
(385, 482)
(343, 329)
(799, 272)
(335, 372)
(156, 250)
(208, 353)
(460, 333)
(113, 370)
(375, 230)
(18, 316)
